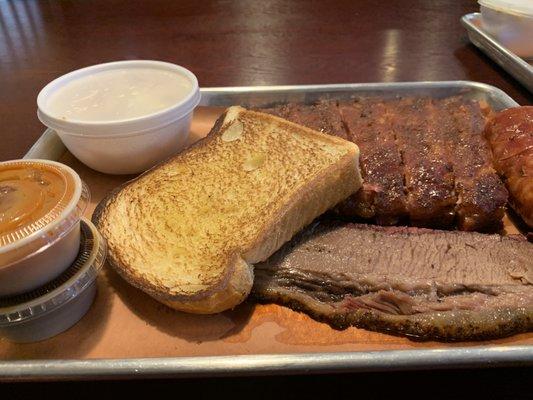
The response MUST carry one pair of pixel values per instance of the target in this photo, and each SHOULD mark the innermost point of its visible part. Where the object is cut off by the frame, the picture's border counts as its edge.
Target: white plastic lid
(23, 242)
(26, 307)
(121, 127)
(513, 6)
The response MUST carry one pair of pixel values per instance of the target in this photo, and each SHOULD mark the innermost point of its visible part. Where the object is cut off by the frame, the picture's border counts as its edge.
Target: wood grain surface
(228, 43)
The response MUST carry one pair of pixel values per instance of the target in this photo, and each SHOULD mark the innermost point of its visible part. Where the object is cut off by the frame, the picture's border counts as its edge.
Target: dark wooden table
(249, 43)
(234, 43)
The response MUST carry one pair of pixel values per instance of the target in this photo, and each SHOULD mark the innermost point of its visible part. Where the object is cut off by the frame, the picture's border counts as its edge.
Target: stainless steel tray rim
(245, 365)
(349, 85)
(380, 86)
(268, 95)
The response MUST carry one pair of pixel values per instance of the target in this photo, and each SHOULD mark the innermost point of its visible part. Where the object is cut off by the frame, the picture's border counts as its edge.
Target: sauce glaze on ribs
(423, 160)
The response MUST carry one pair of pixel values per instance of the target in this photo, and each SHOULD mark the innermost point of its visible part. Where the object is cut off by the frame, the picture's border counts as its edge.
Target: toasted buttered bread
(188, 231)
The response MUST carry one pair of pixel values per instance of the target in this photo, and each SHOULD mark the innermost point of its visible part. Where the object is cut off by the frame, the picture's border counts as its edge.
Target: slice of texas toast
(188, 231)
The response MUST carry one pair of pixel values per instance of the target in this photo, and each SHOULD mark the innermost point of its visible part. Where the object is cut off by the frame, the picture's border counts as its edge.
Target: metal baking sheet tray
(516, 66)
(368, 351)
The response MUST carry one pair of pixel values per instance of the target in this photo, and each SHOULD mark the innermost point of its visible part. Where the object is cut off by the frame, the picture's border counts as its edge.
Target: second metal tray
(516, 66)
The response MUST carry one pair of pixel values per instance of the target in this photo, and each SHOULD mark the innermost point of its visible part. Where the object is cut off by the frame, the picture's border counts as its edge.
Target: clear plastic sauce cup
(59, 304)
(41, 203)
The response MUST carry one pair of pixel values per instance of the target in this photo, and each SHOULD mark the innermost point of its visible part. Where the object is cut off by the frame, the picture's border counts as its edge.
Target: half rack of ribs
(424, 161)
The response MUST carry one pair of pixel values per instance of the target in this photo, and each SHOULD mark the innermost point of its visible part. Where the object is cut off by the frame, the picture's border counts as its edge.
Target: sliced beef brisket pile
(426, 284)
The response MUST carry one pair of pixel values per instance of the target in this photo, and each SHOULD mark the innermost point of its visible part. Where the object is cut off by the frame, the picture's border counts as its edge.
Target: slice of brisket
(421, 283)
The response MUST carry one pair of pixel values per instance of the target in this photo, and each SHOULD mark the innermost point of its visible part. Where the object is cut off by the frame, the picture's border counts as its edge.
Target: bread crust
(333, 185)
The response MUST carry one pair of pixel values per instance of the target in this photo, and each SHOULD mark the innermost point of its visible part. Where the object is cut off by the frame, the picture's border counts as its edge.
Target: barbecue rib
(423, 160)
(429, 177)
(481, 193)
(373, 125)
(416, 282)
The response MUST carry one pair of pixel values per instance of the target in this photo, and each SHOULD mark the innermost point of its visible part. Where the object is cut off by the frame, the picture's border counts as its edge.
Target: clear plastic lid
(83, 272)
(44, 200)
(524, 7)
